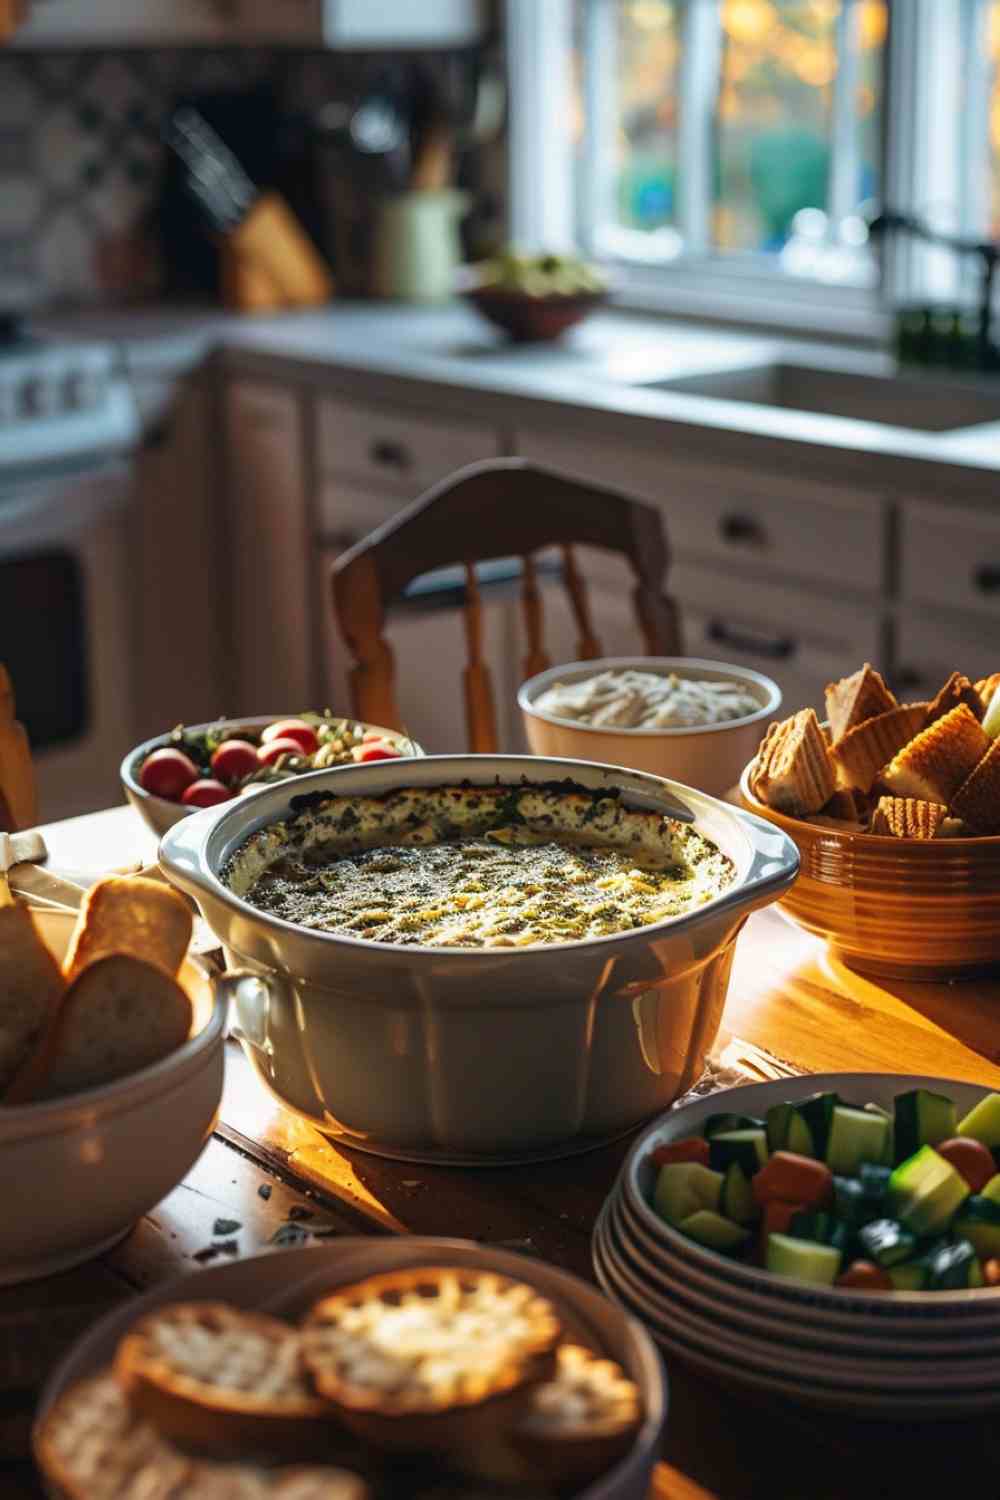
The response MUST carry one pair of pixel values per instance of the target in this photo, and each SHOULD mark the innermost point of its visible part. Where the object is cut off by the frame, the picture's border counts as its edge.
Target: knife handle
(273, 240)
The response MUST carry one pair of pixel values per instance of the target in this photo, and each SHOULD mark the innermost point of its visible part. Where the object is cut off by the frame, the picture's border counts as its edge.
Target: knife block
(269, 262)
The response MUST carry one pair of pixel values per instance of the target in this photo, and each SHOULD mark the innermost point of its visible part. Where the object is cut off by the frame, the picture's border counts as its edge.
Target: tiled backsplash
(80, 151)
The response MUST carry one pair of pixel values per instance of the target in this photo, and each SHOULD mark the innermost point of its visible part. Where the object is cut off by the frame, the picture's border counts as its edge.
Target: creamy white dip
(628, 699)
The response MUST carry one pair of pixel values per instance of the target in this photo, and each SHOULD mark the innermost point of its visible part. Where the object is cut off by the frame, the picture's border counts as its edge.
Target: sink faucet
(988, 253)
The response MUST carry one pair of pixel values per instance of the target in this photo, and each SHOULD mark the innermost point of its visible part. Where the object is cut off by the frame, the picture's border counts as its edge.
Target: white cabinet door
(181, 627)
(930, 645)
(274, 612)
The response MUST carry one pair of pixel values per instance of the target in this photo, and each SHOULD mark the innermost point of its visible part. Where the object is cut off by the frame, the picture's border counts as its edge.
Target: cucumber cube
(713, 1230)
(737, 1202)
(856, 1136)
(748, 1147)
(716, 1124)
(821, 1227)
(683, 1187)
(816, 1113)
(805, 1260)
(850, 1203)
(788, 1131)
(953, 1267)
(886, 1242)
(909, 1276)
(978, 1221)
(983, 1121)
(922, 1119)
(925, 1192)
(992, 1189)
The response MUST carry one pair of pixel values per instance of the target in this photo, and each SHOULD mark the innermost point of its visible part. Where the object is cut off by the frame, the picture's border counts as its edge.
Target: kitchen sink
(921, 404)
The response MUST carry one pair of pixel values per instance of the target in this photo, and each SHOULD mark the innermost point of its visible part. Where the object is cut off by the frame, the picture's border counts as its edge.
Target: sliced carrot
(866, 1276)
(793, 1179)
(691, 1148)
(778, 1216)
(991, 1271)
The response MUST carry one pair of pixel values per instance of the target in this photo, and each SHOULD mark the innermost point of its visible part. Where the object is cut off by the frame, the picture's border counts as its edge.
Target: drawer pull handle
(780, 649)
(744, 531)
(389, 455)
(987, 579)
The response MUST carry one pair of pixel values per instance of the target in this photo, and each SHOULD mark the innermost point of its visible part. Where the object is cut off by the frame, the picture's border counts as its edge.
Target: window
(732, 151)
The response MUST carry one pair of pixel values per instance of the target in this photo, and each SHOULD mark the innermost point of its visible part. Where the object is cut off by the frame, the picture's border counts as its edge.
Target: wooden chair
(18, 800)
(504, 507)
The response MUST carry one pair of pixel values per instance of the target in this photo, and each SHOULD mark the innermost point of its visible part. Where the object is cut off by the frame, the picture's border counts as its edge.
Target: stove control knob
(83, 390)
(39, 397)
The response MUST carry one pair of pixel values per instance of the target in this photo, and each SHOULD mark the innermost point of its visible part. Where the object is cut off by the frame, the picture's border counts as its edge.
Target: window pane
(628, 57)
(794, 160)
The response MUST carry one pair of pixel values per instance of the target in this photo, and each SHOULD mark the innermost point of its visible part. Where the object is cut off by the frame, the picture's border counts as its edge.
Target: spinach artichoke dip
(476, 867)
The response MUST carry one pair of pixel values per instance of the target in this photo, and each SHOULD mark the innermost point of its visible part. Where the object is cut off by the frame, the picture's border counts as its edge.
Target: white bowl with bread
(895, 808)
(110, 1072)
(365, 1368)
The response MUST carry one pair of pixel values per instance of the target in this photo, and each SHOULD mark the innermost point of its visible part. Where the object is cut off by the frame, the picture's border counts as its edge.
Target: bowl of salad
(202, 765)
(534, 298)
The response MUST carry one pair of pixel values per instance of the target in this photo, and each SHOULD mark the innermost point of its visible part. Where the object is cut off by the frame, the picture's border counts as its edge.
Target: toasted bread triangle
(860, 754)
(908, 818)
(958, 689)
(792, 772)
(854, 699)
(977, 801)
(934, 765)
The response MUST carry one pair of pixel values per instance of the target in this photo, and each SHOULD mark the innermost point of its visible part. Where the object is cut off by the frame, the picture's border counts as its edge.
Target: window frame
(920, 55)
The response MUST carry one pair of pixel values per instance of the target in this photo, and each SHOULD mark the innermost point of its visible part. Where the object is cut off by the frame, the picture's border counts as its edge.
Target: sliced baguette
(958, 689)
(934, 765)
(792, 772)
(94, 1446)
(860, 754)
(581, 1422)
(130, 914)
(223, 1381)
(854, 699)
(118, 1016)
(908, 818)
(31, 990)
(977, 801)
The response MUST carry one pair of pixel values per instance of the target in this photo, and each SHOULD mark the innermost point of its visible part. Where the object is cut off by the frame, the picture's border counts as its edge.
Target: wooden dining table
(268, 1178)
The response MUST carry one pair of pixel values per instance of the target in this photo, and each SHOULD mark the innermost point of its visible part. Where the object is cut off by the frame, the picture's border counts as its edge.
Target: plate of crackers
(896, 806)
(111, 1060)
(416, 1369)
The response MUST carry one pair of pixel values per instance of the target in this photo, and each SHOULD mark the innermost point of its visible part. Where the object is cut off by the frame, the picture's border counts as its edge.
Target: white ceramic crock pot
(475, 1055)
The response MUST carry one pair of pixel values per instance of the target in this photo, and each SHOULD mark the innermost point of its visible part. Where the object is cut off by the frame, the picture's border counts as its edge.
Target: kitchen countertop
(593, 379)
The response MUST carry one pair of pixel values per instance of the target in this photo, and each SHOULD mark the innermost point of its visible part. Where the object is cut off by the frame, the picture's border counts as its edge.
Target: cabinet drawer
(801, 640)
(347, 512)
(929, 647)
(763, 522)
(950, 557)
(386, 447)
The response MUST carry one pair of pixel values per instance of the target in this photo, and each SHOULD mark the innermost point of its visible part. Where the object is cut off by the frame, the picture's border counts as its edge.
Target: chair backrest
(18, 799)
(503, 507)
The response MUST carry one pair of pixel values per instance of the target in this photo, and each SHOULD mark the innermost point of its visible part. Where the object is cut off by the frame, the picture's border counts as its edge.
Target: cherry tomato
(167, 772)
(274, 749)
(991, 1271)
(292, 729)
(206, 793)
(692, 1148)
(971, 1159)
(234, 759)
(866, 1276)
(375, 750)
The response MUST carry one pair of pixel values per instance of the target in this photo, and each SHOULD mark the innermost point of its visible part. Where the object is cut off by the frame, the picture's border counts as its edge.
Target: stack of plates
(898, 1354)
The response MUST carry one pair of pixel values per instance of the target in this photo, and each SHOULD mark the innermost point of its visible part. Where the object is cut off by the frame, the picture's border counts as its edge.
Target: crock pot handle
(248, 997)
(775, 862)
(181, 846)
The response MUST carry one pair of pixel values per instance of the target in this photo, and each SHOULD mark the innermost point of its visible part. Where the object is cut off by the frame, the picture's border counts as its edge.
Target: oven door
(66, 628)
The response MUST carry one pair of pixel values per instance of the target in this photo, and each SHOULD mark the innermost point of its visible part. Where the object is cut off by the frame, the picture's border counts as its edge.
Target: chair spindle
(588, 646)
(535, 660)
(480, 713)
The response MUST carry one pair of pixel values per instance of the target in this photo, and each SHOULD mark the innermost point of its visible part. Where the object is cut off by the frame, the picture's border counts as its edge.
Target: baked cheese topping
(92, 1438)
(428, 1339)
(478, 867)
(587, 1393)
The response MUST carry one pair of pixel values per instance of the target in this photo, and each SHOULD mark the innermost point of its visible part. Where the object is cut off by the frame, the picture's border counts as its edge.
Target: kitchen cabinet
(400, 451)
(950, 558)
(181, 608)
(931, 644)
(274, 611)
(329, 23)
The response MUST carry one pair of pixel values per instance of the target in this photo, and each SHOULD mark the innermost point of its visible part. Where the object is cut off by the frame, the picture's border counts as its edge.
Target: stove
(62, 404)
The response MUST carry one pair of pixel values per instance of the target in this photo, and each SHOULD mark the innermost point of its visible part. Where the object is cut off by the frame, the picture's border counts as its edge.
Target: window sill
(842, 314)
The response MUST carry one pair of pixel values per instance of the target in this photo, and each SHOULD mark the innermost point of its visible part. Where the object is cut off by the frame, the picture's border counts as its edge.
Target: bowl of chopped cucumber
(838, 1234)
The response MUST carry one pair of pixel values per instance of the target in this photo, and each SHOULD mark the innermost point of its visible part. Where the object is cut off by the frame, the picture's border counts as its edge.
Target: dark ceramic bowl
(533, 320)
